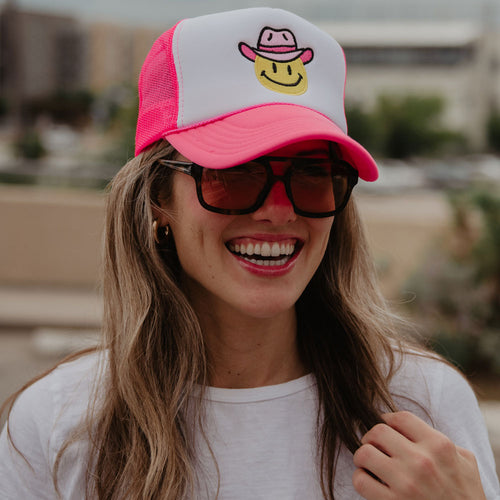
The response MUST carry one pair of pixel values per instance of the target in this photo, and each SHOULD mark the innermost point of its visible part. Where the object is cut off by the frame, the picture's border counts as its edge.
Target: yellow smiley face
(286, 77)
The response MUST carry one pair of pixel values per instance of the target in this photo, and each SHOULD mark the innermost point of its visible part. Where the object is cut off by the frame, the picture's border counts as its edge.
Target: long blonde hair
(140, 434)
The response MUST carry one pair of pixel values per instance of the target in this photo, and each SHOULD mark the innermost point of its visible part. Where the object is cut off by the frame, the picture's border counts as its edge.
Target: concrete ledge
(32, 307)
(61, 342)
(50, 237)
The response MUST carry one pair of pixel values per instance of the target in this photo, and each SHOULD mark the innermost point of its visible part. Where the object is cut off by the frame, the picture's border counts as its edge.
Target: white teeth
(264, 249)
(269, 263)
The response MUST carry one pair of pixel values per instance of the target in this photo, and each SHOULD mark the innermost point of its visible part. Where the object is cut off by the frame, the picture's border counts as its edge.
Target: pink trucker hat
(226, 88)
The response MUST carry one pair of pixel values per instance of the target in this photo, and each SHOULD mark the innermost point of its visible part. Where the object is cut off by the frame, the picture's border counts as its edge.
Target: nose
(277, 207)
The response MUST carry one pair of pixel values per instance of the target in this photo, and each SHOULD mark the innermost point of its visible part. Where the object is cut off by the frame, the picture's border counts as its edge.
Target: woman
(247, 352)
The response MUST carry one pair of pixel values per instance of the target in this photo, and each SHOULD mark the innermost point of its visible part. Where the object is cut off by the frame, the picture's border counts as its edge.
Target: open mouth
(265, 253)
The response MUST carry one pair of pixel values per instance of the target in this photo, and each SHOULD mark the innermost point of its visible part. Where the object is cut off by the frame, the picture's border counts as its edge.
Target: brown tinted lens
(234, 188)
(340, 182)
(312, 186)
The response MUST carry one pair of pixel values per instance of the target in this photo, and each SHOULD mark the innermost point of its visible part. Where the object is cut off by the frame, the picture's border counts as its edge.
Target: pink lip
(268, 271)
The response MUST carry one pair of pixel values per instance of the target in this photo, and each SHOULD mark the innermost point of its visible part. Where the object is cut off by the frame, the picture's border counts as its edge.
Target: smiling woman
(247, 352)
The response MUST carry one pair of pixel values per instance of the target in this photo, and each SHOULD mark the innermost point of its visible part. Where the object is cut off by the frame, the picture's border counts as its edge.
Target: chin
(265, 307)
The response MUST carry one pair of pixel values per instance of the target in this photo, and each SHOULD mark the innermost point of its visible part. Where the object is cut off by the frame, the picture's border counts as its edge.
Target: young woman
(247, 352)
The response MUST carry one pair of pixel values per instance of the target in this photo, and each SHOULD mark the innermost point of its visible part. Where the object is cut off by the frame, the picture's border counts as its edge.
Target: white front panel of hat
(215, 78)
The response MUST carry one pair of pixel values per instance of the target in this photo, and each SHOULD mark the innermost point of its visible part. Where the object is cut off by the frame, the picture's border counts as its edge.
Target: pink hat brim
(254, 132)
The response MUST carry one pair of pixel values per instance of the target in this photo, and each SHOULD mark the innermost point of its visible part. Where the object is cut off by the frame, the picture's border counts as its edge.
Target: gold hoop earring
(155, 231)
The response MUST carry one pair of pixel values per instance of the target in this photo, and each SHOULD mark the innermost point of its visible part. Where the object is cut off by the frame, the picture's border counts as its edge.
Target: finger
(374, 461)
(410, 426)
(387, 440)
(466, 454)
(470, 473)
(368, 487)
(432, 444)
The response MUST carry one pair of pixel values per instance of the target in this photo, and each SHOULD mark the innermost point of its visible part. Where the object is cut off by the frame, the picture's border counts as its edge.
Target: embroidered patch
(279, 63)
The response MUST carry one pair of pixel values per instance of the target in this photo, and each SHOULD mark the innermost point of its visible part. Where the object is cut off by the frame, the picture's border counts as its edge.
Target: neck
(250, 352)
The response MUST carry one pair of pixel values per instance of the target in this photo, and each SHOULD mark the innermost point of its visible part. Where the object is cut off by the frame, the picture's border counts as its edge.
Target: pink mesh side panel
(158, 93)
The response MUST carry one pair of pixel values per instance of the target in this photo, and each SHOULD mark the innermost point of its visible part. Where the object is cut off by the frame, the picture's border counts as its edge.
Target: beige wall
(52, 237)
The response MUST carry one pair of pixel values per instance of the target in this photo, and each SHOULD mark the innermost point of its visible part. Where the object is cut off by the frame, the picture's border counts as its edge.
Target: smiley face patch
(279, 63)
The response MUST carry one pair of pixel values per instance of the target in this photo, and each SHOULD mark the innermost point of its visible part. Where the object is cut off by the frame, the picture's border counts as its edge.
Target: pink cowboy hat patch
(276, 45)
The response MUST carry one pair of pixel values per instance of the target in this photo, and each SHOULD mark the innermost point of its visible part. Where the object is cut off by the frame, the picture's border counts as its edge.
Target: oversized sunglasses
(316, 187)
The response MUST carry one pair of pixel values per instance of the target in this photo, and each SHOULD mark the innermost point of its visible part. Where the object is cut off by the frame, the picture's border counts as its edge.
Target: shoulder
(430, 382)
(43, 417)
(56, 403)
(440, 395)
(65, 380)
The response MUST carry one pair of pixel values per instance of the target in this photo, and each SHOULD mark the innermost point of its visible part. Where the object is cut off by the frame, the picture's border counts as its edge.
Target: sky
(160, 12)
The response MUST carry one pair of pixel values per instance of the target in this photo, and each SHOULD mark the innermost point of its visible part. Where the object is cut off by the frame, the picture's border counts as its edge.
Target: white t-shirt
(263, 439)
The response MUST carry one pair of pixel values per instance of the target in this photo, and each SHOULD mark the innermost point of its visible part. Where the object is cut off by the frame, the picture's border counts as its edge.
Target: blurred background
(423, 94)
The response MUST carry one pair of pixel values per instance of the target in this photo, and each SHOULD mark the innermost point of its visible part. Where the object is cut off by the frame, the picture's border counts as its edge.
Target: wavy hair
(141, 433)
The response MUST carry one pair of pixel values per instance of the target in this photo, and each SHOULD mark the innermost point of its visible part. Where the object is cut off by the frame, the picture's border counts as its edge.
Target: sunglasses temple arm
(179, 166)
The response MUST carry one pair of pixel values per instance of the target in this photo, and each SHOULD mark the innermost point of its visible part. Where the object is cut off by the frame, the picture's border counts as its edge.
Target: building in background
(455, 60)
(42, 54)
(115, 54)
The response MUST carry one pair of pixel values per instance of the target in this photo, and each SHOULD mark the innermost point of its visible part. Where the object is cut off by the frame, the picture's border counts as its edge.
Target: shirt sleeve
(441, 396)
(459, 417)
(25, 472)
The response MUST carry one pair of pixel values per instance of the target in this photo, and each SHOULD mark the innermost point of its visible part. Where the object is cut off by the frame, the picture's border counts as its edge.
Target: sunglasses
(316, 187)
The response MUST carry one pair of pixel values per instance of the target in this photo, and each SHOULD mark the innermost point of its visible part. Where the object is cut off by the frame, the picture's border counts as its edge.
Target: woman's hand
(414, 462)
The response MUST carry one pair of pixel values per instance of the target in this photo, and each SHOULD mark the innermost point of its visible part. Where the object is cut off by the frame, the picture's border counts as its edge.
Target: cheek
(196, 231)
(183, 211)
(320, 229)
(184, 207)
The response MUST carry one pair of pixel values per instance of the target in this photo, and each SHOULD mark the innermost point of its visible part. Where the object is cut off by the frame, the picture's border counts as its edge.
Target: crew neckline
(256, 394)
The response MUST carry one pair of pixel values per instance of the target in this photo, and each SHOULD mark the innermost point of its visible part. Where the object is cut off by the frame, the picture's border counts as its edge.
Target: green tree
(29, 145)
(122, 127)
(493, 131)
(411, 125)
(72, 108)
(3, 107)
(363, 127)
(457, 287)
(486, 252)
